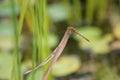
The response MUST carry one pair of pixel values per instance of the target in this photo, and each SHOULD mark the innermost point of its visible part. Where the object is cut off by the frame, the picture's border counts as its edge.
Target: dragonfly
(57, 52)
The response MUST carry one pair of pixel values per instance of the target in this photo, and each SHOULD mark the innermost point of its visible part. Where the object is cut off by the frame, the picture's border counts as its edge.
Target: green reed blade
(16, 75)
(22, 15)
(77, 10)
(90, 9)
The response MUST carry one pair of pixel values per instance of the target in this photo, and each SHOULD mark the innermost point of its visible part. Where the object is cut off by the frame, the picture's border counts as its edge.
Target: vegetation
(30, 30)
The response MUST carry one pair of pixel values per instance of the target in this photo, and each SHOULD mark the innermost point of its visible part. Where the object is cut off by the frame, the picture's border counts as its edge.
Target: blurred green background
(31, 29)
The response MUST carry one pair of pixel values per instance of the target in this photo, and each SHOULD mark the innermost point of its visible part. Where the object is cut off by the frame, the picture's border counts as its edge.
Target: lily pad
(57, 12)
(99, 46)
(92, 33)
(6, 64)
(66, 65)
(52, 41)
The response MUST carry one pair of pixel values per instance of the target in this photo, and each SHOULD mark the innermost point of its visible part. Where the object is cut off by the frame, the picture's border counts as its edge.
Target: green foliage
(66, 65)
(99, 44)
(35, 12)
(40, 34)
(106, 73)
(5, 9)
(96, 7)
(6, 64)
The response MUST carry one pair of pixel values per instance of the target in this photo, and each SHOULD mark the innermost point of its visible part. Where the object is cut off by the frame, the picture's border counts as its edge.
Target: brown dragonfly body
(57, 52)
